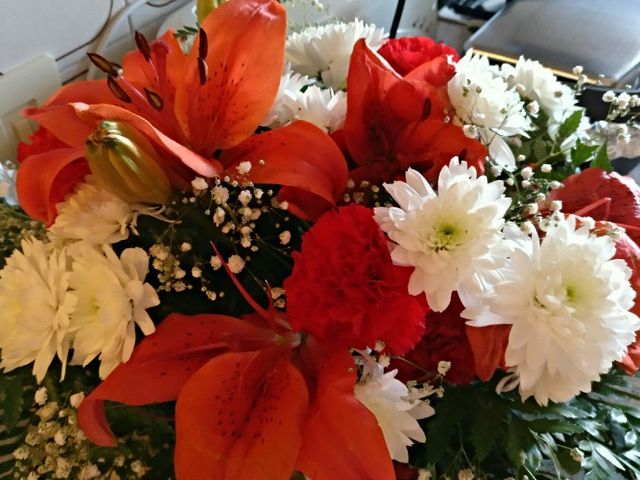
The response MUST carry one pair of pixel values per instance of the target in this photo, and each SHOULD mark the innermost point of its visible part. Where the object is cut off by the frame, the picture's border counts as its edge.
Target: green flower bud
(125, 162)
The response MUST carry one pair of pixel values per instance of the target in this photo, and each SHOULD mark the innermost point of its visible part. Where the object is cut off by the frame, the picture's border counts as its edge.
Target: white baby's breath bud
(546, 168)
(384, 361)
(245, 197)
(424, 474)
(285, 237)
(531, 209)
(60, 438)
(609, 96)
(577, 455)
(470, 131)
(510, 181)
(533, 108)
(578, 69)
(284, 205)
(236, 264)
(526, 184)
(379, 346)
(244, 168)
(219, 216)
(185, 247)
(527, 228)
(21, 453)
(588, 222)
(443, 367)
(540, 197)
(527, 173)
(555, 205)
(466, 474)
(520, 88)
(215, 262)
(521, 158)
(199, 184)
(196, 272)
(622, 102)
(220, 195)
(555, 185)
(41, 396)
(76, 399)
(496, 170)
(179, 273)
(179, 286)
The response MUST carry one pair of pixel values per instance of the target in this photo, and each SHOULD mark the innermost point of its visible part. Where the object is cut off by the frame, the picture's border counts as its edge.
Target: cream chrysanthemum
(567, 302)
(397, 414)
(112, 299)
(94, 215)
(324, 52)
(448, 237)
(322, 107)
(35, 306)
(540, 84)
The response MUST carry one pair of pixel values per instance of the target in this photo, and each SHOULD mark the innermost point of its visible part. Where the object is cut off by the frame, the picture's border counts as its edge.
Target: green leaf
(519, 442)
(608, 455)
(569, 126)
(567, 462)
(601, 159)
(581, 153)
(486, 429)
(13, 401)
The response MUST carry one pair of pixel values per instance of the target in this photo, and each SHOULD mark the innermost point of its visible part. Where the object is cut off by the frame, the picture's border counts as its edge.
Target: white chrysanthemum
(94, 215)
(35, 306)
(325, 51)
(390, 402)
(112, 299)
(481, 97)
(540, 84)
(448, 237)
(567, 302)
(322, 107)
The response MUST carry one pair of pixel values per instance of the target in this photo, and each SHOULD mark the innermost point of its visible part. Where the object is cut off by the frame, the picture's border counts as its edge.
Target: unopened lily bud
(124, 162)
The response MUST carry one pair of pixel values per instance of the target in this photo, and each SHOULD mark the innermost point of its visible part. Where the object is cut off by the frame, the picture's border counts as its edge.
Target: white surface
(27, 85)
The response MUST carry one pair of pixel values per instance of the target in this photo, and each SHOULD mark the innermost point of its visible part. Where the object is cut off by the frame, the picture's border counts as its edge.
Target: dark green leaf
(581, 153)
(519, 442)
(13, 401)
(486, 429)
(567, 462)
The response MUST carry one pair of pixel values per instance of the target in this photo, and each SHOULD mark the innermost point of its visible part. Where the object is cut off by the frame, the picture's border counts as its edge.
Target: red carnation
(344, 287)
(445, 339)
(408, 53)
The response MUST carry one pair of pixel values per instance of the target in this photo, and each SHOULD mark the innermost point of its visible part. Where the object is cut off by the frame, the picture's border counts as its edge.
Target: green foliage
(14, 226)
(500, 436)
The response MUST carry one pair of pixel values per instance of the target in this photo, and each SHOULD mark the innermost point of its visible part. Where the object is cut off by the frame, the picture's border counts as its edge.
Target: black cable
(104, 26)
(396, 19)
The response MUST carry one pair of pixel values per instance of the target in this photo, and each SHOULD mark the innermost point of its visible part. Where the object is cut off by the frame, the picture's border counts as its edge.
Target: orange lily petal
(299, 155)
(330, 450)
(88, 91)
(242, 69)
(240, 416)
(45, 179)
(488, 345)
(163, 362)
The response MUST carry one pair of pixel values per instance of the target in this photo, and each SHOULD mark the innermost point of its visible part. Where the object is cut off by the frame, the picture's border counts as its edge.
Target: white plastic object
(25, 86)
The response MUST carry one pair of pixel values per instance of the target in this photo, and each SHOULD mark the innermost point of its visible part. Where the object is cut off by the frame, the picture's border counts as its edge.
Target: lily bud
(124, 162)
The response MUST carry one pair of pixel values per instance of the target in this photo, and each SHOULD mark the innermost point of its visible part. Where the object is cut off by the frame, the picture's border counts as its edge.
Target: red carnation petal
(342, 439)
(163, 362)
(240, 416)
(488, 345)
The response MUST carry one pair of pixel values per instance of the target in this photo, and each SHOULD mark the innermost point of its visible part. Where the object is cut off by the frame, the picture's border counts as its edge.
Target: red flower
(344, 287)
(394, 123)
(199, 110)
(408, 53)
(472, 351)
(253, 401)
(602, 196)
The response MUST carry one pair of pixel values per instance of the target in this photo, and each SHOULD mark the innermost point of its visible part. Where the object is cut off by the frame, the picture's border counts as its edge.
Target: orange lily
(396, 122)
(200, 110)
(254, 400)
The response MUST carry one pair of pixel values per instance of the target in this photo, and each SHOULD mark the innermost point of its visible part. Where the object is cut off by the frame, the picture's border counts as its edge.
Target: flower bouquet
(327, 255)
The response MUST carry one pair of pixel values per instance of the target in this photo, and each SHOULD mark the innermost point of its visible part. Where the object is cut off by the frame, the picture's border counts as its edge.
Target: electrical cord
(121, 16)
